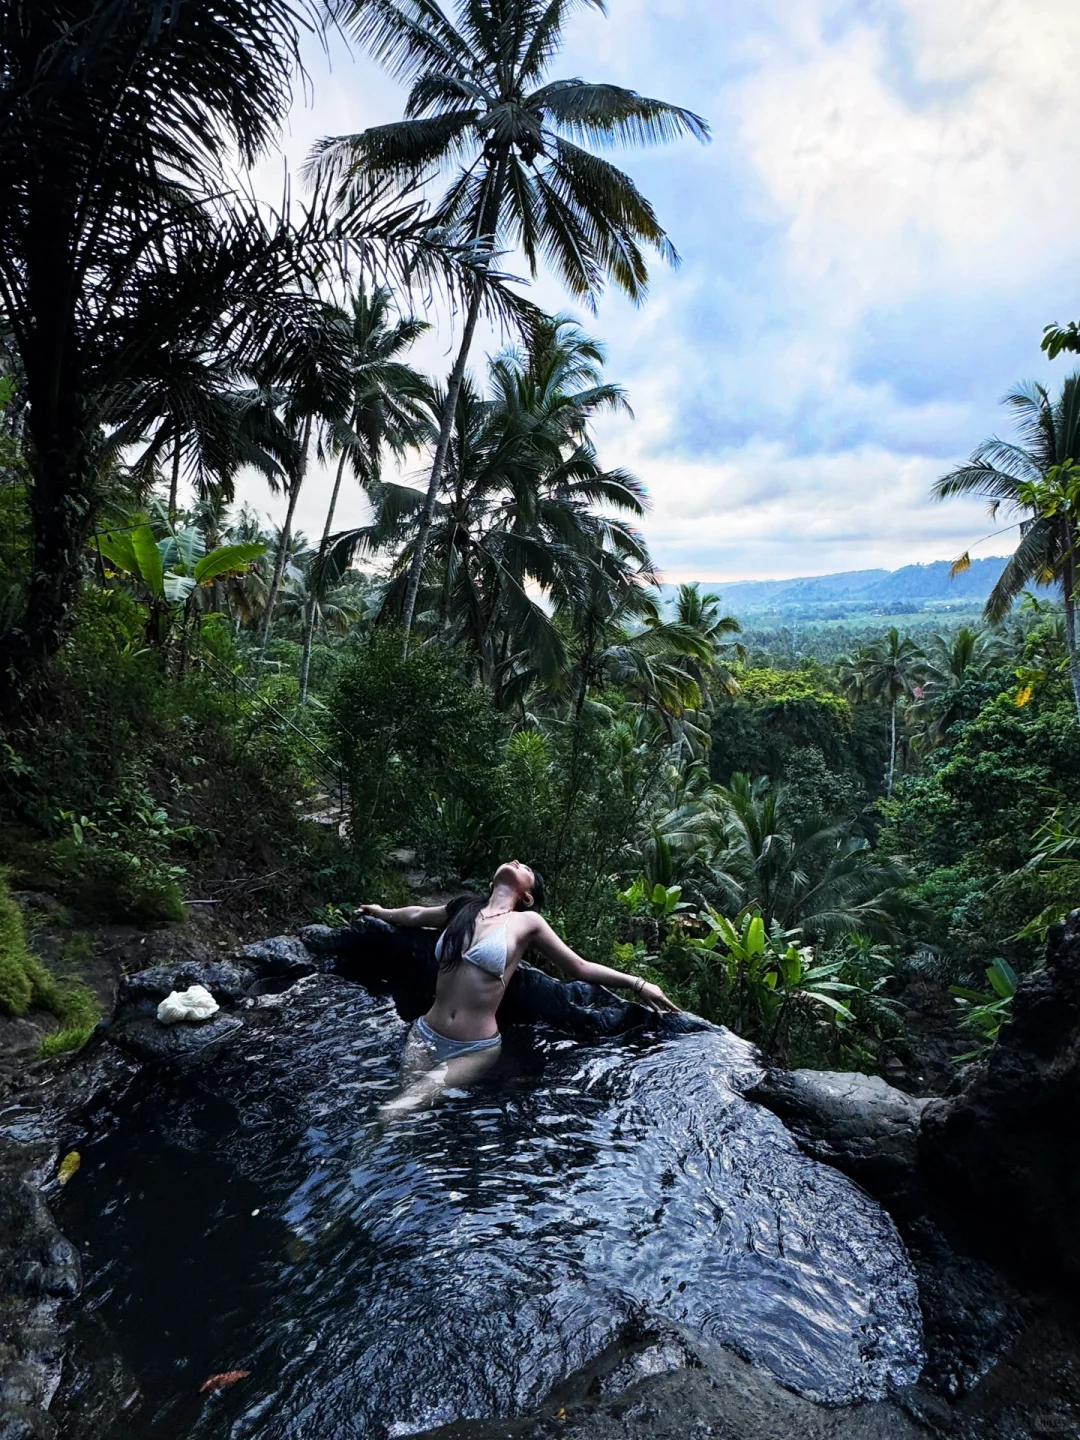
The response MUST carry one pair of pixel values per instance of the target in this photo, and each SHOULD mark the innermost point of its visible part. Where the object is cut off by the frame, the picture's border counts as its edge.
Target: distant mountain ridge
(912, 583)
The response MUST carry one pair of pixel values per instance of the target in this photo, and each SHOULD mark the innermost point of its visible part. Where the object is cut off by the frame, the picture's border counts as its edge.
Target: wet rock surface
(1000, 1362)
(1006, 1143)
(462, 1261)
(142, 992)
(856, 1122)
(185, 1042)
(40, 1269)
(284, 955)
(667, 1386)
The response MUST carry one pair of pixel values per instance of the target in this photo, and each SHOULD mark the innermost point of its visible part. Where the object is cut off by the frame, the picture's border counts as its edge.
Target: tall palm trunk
(174, 482)
(1068, 585)
(309, 622)
(286, 536)
(62, 520)
(446, 430)
(892, 751)
(487, 229)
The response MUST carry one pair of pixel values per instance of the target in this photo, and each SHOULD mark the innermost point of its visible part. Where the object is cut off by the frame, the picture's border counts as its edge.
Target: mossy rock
(23, 978)
(25, 982)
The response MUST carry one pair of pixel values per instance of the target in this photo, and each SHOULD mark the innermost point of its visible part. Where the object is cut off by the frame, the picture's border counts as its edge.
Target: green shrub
(802, 1004)
(110, 883)
(969, 828)
(132, 784)
(412, 735)
(25, 982)
(779, 713)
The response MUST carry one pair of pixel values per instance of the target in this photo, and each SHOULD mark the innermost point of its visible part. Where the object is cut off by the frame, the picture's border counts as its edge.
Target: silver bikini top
(489, 952)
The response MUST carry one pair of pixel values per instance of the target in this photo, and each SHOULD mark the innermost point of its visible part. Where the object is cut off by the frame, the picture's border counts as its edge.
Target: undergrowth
(26, 983)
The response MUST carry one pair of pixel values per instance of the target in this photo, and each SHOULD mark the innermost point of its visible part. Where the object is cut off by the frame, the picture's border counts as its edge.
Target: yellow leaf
(1023, 695)
(959, 565)
(68, 1166)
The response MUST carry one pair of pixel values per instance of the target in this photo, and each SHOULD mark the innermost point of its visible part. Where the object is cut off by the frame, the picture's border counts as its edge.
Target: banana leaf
(226, 559)
(150, 569)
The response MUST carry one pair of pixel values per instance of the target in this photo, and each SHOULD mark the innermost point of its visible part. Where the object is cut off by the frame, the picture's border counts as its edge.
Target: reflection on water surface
(377, 1280)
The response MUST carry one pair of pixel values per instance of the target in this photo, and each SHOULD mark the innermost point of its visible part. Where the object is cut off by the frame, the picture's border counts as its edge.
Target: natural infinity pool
(255, 1214)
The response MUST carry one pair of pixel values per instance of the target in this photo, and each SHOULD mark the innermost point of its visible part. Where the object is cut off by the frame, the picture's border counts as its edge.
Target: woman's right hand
(375, 912)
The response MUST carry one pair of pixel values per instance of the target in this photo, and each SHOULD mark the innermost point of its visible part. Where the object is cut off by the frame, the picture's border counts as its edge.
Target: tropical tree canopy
(480, 106)
(809, 872)
(1035, 477)
(480, 103)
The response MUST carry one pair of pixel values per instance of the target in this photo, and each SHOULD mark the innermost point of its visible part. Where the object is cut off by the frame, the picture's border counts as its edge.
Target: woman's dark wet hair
(458, 931)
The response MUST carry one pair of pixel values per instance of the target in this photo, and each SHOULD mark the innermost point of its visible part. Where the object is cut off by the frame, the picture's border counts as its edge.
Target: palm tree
(386, 412)
(479, 101)
(886, 672)
(337, 608)
(812, 872)
(695, 612)
(1037, 478)
(312, 396)
(522, 526)
(951, 663)
(515, 537)
(123, 235)
(197, 414)
(662, 666)
(116, 123)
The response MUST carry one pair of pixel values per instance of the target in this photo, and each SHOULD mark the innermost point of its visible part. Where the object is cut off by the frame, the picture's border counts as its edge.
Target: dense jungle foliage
(201, 709)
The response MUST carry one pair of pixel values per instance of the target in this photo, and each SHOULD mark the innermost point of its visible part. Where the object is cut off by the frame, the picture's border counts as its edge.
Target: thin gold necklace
(483, 915)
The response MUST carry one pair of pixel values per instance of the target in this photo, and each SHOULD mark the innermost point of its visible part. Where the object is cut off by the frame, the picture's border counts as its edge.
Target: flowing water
(381, 1279)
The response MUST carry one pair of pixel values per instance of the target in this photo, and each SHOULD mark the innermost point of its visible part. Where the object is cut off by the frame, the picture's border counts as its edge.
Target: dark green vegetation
(25, 982)
(787, 835)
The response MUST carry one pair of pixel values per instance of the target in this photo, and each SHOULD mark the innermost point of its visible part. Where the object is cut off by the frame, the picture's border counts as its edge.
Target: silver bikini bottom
(442, 1048)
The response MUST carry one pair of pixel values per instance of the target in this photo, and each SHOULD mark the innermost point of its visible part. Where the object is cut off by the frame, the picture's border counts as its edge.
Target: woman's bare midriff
(466, 999)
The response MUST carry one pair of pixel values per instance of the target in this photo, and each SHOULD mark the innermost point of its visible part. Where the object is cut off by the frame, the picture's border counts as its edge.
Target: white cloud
(953, 177)
(912, 166)
(759, 510)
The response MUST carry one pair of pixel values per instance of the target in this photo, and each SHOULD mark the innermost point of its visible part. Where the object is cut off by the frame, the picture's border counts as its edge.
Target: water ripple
(379, 1280)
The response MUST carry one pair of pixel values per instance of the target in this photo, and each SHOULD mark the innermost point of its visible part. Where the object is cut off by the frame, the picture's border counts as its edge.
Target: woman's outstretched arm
(428, 917)
(544, 939)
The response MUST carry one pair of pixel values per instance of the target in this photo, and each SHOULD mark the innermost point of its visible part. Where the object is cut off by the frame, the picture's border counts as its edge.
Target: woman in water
(481, 944)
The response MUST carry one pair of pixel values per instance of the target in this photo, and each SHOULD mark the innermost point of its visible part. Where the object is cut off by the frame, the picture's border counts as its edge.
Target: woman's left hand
(654, 996)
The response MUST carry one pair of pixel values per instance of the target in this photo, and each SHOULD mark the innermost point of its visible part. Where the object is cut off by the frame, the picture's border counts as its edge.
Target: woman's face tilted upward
(517, 877)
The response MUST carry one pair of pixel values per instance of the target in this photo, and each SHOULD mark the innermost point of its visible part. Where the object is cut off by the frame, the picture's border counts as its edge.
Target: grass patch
(77, 947)
(78, 1014)
(25, 982)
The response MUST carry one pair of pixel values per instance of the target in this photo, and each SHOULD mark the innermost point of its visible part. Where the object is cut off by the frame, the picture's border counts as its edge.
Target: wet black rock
(148, 1040)
(143, 992)
(281, 955)
(971, 1314)
(39, 1268)
(390, 959)
(668, 1386)
(1005, 1145)
(37, 1260)
(856, 1122)
(322, 939)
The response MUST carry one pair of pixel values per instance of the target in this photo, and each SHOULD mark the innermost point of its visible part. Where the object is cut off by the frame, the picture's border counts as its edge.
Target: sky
(884, 221)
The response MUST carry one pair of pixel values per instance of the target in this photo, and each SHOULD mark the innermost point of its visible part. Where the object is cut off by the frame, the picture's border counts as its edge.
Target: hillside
(913, 584)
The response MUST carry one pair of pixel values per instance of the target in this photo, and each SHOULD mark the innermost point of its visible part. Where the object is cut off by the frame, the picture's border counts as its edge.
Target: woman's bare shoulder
(530, 926)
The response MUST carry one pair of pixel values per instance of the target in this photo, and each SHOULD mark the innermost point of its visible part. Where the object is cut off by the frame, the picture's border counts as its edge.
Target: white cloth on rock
(194, 1003)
